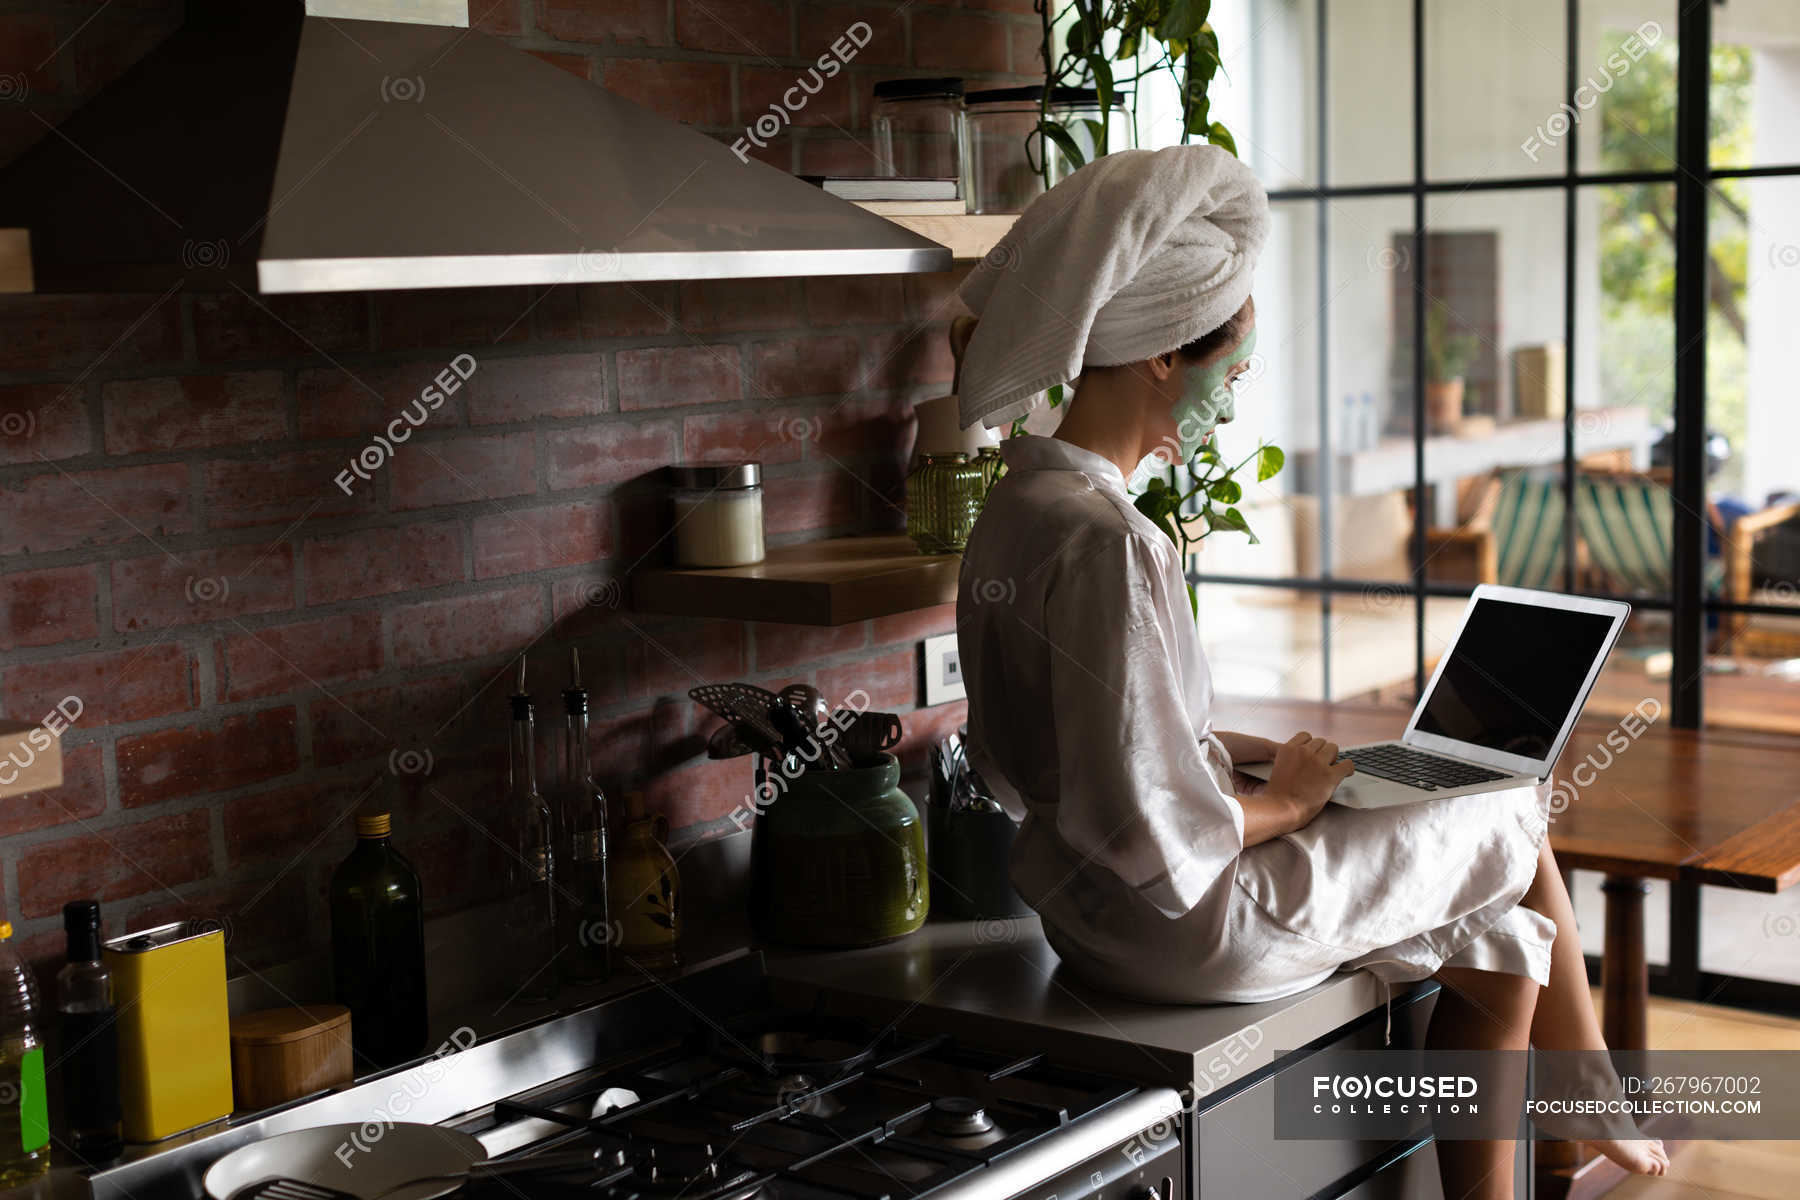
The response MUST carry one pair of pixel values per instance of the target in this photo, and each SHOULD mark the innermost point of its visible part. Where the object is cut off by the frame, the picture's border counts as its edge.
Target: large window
(1493, 352)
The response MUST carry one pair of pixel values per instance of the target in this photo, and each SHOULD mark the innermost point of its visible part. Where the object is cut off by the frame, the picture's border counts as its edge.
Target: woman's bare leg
(1564, 1018)
(1481, 1010)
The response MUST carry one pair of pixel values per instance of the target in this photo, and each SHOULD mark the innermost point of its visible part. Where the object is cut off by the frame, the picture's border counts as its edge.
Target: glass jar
(943, 498)
(992, 467)
(718, 514)
(1002, 167)
(1077, 110)
(918, 128)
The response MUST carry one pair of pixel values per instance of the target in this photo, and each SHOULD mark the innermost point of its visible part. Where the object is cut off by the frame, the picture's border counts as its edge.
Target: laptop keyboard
(1415, 768)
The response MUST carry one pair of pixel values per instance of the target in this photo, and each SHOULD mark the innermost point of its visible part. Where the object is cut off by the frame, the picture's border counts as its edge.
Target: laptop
(1500, 706)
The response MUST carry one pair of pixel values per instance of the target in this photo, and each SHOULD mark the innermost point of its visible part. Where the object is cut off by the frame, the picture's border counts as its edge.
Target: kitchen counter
(1000, 981)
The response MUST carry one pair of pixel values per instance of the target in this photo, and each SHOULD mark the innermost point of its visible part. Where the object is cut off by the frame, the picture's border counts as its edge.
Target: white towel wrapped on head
(1134, 255)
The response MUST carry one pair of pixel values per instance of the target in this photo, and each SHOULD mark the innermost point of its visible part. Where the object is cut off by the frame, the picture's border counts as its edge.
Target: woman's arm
(1267, 817)
(1247, 747)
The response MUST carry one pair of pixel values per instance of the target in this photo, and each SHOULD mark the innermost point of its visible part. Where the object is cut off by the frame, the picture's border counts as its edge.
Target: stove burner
(675, 1168)
(958, 1116)
(692, 1172)
(784, 1088)
(785, 1044)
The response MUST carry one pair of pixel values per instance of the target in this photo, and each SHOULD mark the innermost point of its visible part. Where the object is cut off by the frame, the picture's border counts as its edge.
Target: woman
(1158, 870)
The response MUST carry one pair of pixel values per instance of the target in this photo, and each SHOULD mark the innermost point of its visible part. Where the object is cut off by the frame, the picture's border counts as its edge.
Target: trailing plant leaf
(1232, 519)
(1101, 70)
(1269, 461)
(1182, 20)
(1064, 142)
(1214, 483)
(1151, 35)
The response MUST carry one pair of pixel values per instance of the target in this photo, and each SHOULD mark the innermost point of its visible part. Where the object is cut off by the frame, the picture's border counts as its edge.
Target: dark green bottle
(378, 948)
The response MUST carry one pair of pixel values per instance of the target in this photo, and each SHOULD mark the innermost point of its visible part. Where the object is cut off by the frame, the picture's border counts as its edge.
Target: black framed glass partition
(1527, 316)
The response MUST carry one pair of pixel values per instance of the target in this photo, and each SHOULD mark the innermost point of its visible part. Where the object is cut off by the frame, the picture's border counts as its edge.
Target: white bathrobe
(1091, 716)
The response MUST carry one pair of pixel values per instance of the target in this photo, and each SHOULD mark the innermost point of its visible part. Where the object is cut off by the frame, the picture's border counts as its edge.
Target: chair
(1748, 581)
(1513, 534)
(1516, 533)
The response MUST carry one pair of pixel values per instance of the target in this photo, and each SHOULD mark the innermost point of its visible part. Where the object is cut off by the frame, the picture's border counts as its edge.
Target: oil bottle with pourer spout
(531, 847)
(588, 932)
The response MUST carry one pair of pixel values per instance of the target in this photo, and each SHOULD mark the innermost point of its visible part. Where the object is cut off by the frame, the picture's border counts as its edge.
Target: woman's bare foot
(1642, 1156)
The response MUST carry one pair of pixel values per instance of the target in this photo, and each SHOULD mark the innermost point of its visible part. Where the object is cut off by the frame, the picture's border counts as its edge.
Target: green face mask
(1207, 400)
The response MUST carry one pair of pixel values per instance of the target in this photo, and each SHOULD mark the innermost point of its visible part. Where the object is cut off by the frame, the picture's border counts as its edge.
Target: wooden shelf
(833, 582)
(969, 236)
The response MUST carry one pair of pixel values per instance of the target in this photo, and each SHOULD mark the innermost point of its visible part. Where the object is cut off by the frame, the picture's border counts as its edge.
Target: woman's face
(1197, 396)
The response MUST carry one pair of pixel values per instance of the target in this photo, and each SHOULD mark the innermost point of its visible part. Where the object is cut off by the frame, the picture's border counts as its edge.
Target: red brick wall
(258, 651)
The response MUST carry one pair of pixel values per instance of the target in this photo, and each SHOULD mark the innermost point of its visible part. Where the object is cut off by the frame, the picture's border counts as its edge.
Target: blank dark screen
(1516, 672)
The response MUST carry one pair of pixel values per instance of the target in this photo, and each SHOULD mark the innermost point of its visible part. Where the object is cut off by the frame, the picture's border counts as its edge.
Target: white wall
(1772, 304)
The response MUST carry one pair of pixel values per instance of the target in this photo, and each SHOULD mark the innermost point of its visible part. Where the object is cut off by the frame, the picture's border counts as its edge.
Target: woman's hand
(1305, 774)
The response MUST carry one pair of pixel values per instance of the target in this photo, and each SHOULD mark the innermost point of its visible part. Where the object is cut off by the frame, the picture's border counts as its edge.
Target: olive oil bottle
(24, 1115)
(88, 1073)
(378, 948)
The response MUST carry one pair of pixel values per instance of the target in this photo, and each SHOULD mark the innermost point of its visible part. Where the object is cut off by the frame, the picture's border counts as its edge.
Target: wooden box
(280, 1054)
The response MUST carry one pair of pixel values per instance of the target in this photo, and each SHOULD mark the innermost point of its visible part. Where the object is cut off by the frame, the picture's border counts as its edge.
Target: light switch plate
(943, 670)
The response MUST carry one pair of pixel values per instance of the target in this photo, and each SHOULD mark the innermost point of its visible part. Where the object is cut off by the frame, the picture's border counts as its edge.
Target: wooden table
(1718, 807)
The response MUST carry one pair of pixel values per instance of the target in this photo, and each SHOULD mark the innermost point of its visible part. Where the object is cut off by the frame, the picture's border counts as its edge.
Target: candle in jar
(718, 518)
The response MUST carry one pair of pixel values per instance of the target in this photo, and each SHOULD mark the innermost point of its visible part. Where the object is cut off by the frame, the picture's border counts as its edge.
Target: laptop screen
(1513, 676)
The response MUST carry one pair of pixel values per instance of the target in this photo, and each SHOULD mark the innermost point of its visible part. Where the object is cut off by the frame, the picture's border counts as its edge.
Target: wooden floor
(1720, 1170)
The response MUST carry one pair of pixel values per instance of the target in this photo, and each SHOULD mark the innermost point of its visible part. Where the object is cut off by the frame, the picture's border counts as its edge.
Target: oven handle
(1110, 1128)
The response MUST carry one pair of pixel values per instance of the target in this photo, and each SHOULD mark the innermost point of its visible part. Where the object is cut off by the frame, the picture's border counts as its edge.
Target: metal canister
(943, 498)
(174, 1028)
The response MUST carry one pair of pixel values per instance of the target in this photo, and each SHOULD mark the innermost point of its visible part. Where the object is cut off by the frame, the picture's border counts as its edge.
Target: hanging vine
(1096, 34)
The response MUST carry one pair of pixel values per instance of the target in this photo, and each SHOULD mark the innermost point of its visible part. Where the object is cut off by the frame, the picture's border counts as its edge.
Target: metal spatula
(744, 704)
(289, 1189)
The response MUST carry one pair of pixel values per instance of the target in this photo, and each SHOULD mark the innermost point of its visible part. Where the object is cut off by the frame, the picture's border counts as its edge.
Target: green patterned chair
(1623, 520)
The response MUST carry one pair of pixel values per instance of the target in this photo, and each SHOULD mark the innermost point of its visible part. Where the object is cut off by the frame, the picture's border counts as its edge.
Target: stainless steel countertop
(1000, 981)
(997, 982)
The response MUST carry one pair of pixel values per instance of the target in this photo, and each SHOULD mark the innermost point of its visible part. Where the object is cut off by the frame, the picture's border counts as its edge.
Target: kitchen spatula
(743, 704)
(289, 1189)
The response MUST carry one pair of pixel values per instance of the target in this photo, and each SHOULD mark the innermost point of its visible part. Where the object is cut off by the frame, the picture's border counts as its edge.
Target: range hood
(292, 148)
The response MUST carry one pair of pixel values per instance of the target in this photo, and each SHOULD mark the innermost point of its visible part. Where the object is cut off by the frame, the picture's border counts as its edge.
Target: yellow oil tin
(174, 1028)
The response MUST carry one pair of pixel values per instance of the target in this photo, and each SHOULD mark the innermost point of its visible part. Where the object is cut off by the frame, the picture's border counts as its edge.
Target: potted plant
(1145, 35)
(1447, 358)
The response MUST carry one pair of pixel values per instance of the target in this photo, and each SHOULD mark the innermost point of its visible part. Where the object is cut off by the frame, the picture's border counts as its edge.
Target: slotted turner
(743, 704)
(289, 1189)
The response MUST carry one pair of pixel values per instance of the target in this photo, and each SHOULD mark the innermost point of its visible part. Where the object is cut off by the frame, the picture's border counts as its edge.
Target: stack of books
(894, 196)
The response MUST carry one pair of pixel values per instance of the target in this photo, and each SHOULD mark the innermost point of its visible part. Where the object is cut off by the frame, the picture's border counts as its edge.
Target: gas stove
(701, 1089)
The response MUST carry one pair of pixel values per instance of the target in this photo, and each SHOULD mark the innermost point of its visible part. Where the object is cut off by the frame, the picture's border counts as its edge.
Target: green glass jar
(992, 468)
(943, 498)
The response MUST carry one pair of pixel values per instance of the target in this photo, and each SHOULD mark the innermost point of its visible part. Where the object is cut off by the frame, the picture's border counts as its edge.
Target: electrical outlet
(943, 670)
